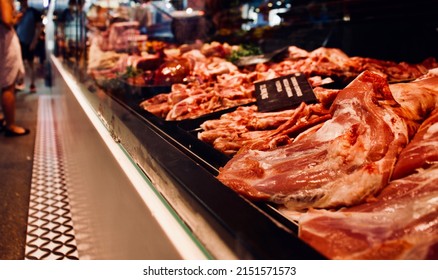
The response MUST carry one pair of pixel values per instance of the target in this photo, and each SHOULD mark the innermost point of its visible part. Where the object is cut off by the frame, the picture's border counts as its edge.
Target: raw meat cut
(232, 86)
(245, 126)
(401, 223)
(418, 98)
(332, 62)
(120, 34)
(250, 129)
(422, 151)
(349, 158)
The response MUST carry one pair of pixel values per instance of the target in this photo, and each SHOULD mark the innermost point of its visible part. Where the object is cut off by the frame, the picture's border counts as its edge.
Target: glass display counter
(175, 186)
(120, 58)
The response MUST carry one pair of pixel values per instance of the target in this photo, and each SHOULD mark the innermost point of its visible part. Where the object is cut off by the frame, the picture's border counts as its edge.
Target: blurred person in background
(11, 68)
(28, 31)
(71, 33)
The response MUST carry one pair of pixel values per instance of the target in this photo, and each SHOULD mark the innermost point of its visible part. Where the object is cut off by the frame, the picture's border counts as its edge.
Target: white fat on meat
(334, 129)
(433, 129)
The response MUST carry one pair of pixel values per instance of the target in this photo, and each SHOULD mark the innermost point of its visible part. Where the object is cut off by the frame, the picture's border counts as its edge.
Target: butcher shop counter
(151, 190)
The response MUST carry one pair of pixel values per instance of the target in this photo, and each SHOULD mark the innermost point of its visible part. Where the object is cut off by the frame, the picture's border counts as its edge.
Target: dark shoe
(2, 125)
(11, 133)
(32, 89)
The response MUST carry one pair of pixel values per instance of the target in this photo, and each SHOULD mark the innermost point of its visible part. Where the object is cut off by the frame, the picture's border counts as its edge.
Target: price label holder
(284, 92)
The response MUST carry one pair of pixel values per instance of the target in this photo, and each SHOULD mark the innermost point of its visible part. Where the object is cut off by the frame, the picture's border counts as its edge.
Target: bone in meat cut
(349, 158)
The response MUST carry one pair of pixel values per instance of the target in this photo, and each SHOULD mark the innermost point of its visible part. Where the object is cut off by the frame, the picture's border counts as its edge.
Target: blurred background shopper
(28, 31)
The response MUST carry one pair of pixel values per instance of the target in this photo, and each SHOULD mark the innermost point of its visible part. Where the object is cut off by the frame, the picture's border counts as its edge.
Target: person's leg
(28, 56)
(21, 85)
(32, 75)
(8, 105)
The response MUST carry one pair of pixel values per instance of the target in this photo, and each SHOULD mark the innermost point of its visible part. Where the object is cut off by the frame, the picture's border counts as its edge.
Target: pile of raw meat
(213, 84)
(216, 84)
(246, 127)
(358, 170)
(362, 184)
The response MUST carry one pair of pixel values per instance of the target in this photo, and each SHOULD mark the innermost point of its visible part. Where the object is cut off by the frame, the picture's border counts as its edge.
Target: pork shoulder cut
(349, 158)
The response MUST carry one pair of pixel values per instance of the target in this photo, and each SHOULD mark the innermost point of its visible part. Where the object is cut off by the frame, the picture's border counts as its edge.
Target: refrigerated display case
(220, 224)
(177, 167)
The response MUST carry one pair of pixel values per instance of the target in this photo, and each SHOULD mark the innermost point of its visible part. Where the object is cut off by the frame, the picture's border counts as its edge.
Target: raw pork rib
(246, 127)
(422, 151)
(402, 223)
(349, 158)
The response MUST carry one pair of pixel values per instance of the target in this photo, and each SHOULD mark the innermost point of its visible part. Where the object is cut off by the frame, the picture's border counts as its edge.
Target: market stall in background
(298, 129)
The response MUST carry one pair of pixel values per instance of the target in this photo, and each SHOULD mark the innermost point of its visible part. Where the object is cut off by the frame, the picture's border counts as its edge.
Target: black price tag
(284, 92)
